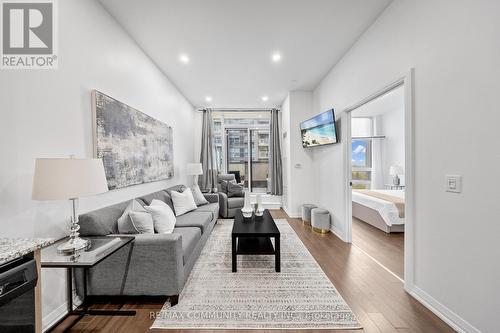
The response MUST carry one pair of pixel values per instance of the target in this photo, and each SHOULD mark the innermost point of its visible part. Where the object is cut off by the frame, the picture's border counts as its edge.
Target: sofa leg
(174, 300)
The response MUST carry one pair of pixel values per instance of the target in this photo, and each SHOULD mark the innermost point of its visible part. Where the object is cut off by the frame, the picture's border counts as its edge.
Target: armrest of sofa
(211, 197)
(223, 207)
(151, 265)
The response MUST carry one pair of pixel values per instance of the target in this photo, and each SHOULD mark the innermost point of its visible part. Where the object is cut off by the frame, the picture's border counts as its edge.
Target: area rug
(256, 297)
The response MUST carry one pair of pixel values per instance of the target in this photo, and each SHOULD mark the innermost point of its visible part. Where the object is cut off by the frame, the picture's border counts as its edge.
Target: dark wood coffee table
(252, 236)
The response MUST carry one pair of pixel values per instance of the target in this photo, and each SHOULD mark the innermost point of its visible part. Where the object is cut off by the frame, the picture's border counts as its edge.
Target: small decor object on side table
(69, 178)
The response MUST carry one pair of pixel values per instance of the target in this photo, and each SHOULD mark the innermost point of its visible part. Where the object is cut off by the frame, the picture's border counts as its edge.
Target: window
(242, 146)
(361, 163)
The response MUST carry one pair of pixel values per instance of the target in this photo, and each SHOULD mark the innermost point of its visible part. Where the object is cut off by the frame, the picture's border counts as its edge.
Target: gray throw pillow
(224, 185)
(234, 190)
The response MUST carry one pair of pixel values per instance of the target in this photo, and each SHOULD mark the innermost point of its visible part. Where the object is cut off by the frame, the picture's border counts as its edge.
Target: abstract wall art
(135, 147)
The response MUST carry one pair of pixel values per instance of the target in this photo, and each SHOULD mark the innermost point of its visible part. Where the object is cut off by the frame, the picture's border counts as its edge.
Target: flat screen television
(319, 130)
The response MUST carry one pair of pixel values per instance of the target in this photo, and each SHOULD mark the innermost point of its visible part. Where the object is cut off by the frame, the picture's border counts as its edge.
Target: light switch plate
(453, 183)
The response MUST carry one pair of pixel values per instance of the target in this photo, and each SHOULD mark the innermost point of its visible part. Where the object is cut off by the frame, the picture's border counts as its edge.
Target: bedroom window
(361, 163)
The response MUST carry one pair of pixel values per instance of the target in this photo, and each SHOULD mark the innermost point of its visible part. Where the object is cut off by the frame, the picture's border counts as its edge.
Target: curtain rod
(238, 109)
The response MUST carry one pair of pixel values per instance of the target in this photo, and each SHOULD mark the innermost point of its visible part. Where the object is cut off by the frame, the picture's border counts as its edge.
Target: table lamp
(69, 179)
(194, 169)
(396, 170)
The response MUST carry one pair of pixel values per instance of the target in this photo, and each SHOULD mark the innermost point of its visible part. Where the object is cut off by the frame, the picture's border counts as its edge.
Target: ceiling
(392, 100)
(230, 43)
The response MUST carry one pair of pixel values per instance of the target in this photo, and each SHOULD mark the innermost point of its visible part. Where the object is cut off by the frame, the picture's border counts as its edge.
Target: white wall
(453, 46)
(393, 146)
(297, 161)
(48, 114)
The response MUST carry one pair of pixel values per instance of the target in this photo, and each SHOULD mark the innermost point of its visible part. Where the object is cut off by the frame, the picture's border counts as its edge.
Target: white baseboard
(292, 215)
(49, 320)
(337, 232)
(272, 205)
(451, 318)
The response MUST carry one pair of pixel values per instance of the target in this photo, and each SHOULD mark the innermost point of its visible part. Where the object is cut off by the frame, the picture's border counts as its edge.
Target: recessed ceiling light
(276, 56)
(264, 98)
(208, 99)
(184, 58)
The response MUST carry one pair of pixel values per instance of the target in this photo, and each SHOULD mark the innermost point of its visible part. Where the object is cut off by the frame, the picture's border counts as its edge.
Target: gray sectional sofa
(153, 264)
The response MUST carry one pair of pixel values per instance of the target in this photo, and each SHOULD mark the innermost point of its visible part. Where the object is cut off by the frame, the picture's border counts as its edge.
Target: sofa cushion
(194, 219)
(160, 195)
(211, 207)
(102, 222)
(190, 238)
(176, 188)
(235, 202)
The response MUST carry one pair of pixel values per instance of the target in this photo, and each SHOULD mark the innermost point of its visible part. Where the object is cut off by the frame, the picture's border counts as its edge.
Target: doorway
(379, 184)
(377, 177)
(247, 151)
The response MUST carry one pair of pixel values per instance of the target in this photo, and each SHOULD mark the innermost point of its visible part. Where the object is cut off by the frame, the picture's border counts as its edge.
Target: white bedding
(386, 209)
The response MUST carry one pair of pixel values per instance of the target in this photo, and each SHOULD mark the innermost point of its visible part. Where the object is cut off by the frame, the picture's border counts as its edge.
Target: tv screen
(319, 130)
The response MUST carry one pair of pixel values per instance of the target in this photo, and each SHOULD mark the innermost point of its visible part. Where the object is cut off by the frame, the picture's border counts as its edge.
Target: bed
(383, 209)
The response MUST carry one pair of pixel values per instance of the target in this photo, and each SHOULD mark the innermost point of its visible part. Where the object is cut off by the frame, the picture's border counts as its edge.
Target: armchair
(228, 206)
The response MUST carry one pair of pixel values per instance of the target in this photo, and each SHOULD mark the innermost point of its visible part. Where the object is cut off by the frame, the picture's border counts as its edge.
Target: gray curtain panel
(275, 168)
(208, 181)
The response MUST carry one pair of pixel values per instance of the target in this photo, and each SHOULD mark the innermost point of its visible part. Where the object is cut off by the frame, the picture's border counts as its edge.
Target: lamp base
(73, 246)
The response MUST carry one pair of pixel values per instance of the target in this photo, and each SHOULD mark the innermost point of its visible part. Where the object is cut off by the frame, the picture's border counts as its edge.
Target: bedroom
(378, 181)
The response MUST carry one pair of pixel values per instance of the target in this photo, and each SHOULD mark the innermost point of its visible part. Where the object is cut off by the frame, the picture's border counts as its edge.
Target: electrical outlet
(453, 183)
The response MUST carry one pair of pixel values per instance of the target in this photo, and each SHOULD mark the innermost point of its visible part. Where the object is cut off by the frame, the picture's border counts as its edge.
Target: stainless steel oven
(17, 295)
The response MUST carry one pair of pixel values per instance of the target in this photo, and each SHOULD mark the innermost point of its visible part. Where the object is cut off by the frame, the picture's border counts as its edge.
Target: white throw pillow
(183, 202)
(163, 216)
(199, 198)
(127, 226)
(142, 222)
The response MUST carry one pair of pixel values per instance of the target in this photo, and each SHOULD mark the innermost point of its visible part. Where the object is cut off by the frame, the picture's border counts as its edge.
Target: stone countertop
(13, 248)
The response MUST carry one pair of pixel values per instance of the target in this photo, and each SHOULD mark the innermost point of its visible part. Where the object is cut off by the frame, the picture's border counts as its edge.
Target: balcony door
(247, 152)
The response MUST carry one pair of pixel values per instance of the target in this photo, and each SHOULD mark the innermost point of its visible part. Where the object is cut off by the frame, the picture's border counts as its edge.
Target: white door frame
(407, 81)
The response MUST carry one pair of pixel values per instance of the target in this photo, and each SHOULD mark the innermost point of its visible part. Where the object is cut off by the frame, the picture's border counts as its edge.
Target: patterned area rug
(256, 297)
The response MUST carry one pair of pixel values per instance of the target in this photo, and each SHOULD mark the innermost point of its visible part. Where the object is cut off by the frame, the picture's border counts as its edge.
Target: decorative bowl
(247, 212)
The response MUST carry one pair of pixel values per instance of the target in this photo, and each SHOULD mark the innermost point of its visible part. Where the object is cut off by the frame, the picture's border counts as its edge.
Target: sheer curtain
(275, 168)
(377, 170)
(208, 181)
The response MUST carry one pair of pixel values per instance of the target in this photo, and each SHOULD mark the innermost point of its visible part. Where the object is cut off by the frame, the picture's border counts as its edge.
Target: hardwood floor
(386, 248)
(375, 296)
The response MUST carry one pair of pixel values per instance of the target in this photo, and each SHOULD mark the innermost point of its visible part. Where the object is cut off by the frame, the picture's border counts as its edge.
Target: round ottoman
(306, 213)
(320, 220)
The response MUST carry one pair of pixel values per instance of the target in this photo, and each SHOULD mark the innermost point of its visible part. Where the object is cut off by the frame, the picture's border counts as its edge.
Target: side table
(100, 249)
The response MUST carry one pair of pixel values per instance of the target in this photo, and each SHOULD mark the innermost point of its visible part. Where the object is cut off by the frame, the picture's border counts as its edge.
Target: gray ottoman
(320, 220)
(306, 213)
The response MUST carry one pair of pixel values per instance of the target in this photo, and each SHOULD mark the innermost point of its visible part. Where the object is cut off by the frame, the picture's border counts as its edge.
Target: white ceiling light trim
(276, 57)
(208, 99)
(264, 98)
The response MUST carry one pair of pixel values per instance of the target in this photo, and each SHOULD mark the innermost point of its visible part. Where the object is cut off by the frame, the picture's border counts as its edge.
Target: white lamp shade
(68, 178)
(194, 169)
(396, 170)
